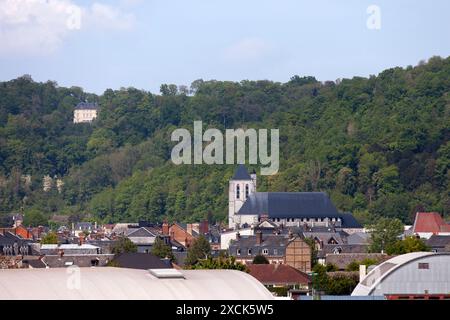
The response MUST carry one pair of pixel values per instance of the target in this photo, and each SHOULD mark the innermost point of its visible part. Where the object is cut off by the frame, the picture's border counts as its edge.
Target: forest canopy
(379, 146)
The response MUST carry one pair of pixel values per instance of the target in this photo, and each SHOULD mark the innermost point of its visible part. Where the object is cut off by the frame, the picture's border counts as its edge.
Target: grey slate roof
(86, 106)
(141, 261)
(142, 232)
(437, 241)
(269, 242)
(349, 221)
(241, 173)
(358, 238)
(289, 205)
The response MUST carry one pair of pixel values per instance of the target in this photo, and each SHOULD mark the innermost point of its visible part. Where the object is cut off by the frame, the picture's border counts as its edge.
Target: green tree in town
(407, 245)
(50, 238)
(385, 233)
(219, 263)
(260, 259)
(200, 249)
(34, 218)
(162, 250)
(124, 245)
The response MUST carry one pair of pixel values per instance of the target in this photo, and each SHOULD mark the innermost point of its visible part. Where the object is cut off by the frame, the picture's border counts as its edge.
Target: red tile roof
(278, 274)
(430, 222)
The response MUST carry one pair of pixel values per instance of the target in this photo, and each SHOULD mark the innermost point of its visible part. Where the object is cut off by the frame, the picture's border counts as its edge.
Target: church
(247, 207)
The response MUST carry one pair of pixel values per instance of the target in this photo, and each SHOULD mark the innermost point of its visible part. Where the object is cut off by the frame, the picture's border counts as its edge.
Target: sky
(102, 44)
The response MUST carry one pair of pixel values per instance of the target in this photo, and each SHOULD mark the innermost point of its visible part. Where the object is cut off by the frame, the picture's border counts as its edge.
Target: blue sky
(143, 44)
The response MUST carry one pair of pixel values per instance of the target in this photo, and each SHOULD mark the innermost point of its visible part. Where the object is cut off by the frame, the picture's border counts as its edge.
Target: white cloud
(248, 49)
(33, 27)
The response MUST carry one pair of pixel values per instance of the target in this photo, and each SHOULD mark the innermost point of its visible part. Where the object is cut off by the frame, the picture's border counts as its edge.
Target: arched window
(246, 191)
(238, 192)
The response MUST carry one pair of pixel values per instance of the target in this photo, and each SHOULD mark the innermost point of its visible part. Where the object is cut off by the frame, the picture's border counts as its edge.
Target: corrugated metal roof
(410, 281)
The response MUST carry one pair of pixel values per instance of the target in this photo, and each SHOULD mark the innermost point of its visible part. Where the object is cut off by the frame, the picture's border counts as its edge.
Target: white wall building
(241, 186)
(85, 112)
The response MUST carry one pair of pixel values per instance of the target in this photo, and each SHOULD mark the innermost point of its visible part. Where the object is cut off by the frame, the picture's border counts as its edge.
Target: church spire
(241, 173)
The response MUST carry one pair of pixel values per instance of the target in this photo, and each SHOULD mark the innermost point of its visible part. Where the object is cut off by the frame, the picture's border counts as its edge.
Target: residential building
(14, 245)
(427, 224)
(69, 249)
(143, 238)
(278, 249)
(280, 276)
(85, 112)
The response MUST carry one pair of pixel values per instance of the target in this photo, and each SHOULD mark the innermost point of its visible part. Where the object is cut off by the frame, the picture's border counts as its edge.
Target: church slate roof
(289, 205)
(241, 173)
(298, 205)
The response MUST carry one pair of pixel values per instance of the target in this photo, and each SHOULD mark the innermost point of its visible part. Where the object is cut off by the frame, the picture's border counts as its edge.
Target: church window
(238, 192)
(246, 190)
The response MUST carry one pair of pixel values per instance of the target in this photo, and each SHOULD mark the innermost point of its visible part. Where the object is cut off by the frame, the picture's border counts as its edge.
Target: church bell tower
(240, 187)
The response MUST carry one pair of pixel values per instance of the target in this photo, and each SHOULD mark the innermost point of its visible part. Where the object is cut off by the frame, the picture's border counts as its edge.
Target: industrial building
(129, 284)
(411, 274)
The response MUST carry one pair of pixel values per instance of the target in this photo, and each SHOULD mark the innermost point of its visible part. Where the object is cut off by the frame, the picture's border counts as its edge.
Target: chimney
(165, 228)
(204, 227)
(189, 228)
(362, 272)
(259, 237)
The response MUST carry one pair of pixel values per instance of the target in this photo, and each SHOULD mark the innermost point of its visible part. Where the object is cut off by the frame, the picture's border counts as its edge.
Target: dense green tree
(379, 145)
(260, 259)
(50, 238)
(407, 245)
(124, 245)
(162, 250)
(219, 263)
(385, 233)
(35, 218)
(200, 249)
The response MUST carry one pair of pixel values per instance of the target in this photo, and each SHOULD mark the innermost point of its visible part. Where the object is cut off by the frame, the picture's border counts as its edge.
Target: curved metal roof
(380, 272)
(108, 283)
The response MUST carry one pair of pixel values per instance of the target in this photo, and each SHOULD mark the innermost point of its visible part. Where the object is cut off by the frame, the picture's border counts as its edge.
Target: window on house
(238, 192)
(238, 252)
(249, 252)
(275, 252)
(246, 190)
(423, 265)
(265, 252)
